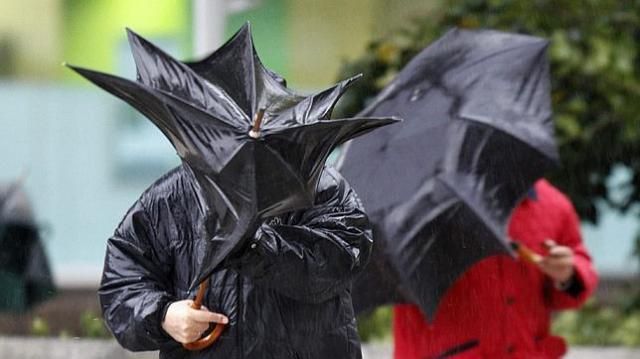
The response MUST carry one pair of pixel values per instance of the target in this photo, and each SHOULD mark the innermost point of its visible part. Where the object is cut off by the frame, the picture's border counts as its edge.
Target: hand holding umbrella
(186, 320)
(557, 264)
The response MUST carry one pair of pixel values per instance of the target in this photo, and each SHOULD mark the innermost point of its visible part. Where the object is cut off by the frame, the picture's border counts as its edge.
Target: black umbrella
(441, 186)
(256, 148)
(25, 277)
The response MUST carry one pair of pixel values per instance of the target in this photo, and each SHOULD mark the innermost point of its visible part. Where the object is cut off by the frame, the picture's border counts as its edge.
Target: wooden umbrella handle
(525, 253)
(257, 122)
(215, 333)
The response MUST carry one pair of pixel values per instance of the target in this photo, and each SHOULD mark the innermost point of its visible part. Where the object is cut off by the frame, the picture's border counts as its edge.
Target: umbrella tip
(255, 129)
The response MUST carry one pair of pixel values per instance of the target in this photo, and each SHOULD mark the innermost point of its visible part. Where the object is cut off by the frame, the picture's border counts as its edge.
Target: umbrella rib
(478, 120)
(203, 111)
(489, 56)
(483, 218)
(192, 76)
(537, 76)
(285, 163)
(11, 191)
(480, 147)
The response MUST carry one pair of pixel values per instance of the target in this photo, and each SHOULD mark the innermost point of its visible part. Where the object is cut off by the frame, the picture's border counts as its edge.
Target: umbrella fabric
(441, 185)
(379, 283)
(24, 270)
(255, 147)
(14, 205)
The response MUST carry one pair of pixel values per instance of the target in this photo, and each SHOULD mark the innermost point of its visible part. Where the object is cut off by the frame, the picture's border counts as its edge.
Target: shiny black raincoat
(287, 294)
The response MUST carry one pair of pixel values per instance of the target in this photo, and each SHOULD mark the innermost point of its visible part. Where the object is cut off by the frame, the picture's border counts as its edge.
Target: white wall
(65, 138)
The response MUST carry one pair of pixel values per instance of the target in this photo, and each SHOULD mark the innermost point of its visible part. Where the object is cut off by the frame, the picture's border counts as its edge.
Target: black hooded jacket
(287, 296)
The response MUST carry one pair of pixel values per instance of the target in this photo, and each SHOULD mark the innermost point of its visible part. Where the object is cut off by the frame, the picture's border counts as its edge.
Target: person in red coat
(501, 307)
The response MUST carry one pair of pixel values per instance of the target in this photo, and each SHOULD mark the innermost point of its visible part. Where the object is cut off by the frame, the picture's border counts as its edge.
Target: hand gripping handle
(215, 333)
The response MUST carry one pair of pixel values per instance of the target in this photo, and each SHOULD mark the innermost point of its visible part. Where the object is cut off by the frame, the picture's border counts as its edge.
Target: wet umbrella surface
(440, 186)
(256, 148)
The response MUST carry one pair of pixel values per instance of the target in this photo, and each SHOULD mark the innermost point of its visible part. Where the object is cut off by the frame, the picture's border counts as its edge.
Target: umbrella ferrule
(254, 134)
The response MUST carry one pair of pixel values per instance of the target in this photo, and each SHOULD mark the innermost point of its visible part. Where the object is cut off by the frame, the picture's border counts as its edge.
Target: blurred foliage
(39, 327)
(375, 325)
(595, 63)
(92, 326)
(7, 57)
(596, 324)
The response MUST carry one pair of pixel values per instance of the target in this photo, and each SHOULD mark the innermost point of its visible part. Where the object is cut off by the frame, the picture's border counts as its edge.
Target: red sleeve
(585, 272)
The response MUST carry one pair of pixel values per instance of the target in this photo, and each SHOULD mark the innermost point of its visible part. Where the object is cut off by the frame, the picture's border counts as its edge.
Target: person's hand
(558, 264)
(185, 324)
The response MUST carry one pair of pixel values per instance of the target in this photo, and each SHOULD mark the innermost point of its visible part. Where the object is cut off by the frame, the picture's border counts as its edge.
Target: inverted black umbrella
(25, 277)
(256, 148)
(442, 185)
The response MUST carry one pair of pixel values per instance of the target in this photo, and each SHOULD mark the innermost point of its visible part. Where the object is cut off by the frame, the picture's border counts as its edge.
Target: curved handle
(525, 253)
(215, 333)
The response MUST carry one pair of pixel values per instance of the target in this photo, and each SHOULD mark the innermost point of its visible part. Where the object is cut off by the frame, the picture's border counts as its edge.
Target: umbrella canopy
(255, 147)
(25, 277)
(14, 206)
(477, 134)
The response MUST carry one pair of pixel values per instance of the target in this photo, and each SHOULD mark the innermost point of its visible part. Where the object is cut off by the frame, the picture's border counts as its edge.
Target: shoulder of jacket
(331, 181)
(553, 196)
(175, 182)
(332, 187)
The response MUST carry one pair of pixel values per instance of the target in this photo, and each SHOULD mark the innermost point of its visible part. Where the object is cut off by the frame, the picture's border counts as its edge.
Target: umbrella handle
(255, 129)
(215, 333)
(525, 253)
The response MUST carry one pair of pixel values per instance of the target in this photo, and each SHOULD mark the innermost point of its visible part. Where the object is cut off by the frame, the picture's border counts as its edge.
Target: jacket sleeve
(315, 255)
(134, 289)
(585, 279)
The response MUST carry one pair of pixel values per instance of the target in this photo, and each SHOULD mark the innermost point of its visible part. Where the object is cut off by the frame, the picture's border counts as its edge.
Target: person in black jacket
(287, 295)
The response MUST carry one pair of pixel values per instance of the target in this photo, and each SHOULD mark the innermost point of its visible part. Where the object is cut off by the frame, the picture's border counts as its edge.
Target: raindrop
(416, 94)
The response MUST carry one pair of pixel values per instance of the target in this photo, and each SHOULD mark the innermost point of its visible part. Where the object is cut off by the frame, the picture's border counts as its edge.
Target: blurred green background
(88, 156)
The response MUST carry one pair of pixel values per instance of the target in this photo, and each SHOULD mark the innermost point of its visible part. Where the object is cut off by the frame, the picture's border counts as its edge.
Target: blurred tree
(92, 325)
(595, 64)
(375, 325)
(7, 57)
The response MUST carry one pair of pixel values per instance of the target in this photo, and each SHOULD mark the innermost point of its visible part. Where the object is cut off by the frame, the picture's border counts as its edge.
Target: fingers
(557, 256)
(555, 263)
(198, 322)
(190, 330)
(555, 250)
(194, 331)
(559, 268)
(558, 263)
(560, 252)
(205, 316)
(189, 336)
(185, 324)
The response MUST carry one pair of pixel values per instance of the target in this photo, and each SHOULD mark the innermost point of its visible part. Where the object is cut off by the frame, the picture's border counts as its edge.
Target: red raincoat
(501, 307)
